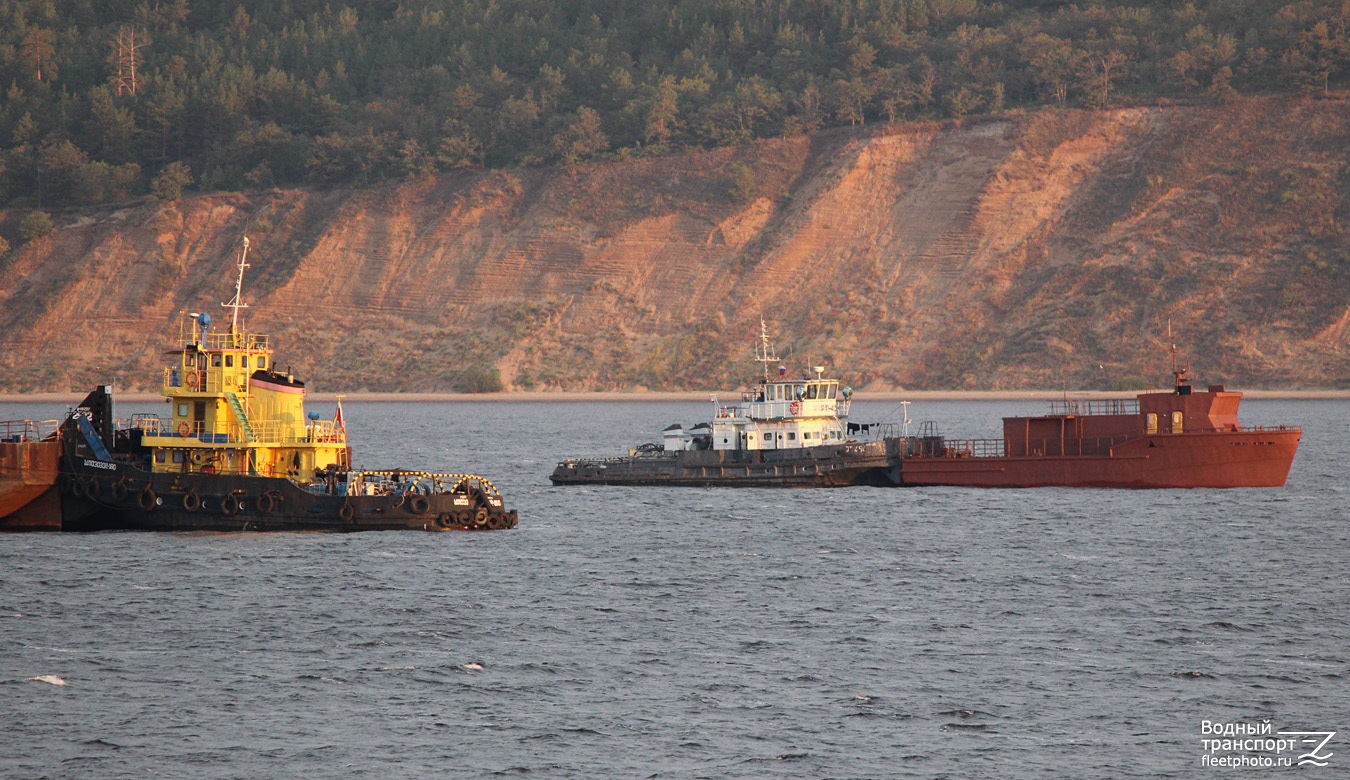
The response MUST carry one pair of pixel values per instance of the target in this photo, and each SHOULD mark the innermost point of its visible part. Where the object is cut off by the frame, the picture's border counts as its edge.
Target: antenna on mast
(237, 304)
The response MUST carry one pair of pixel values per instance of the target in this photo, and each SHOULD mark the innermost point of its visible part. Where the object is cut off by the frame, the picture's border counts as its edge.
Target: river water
(693, 633)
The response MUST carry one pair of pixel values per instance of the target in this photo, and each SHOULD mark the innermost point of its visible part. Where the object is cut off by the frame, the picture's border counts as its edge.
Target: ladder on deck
(242, 416)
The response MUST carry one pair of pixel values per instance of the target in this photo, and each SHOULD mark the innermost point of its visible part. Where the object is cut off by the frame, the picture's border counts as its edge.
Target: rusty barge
(1176, 439)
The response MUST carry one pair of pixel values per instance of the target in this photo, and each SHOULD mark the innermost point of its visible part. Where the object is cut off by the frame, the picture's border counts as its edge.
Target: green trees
(100, 98)
(37, 225)
(169, 183)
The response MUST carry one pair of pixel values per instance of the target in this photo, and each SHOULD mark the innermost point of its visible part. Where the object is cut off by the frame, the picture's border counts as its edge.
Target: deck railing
(264, 431)
(1093, 407)
(27, 430)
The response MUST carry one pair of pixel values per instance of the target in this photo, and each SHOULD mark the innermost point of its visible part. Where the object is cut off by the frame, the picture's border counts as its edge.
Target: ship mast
(237, 304)
(766, 354)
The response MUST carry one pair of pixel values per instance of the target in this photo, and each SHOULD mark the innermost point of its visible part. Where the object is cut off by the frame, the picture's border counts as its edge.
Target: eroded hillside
(1029, 251)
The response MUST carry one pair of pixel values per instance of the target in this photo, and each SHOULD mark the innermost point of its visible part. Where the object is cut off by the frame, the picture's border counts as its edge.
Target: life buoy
(147, 500)
(120, 489)
(230, 505)
(193, 380)
(265, 503)
(347, 513)
(795, 407)
(191, 501)
(184, 429)
(419, 504)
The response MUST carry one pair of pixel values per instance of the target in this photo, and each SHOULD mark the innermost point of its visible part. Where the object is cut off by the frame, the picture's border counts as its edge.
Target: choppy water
(691, 633)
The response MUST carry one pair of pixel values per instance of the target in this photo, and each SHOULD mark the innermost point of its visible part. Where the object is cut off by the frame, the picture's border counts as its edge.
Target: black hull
(830, 466)
(124, 497)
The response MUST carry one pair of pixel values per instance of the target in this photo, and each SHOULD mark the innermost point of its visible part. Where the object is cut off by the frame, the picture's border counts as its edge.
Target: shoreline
(685, 396)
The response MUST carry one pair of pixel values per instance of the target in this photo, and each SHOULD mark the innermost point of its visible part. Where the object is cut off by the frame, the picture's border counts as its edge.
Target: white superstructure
(779, 414)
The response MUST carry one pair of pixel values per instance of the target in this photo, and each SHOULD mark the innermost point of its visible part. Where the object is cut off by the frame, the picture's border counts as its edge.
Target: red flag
(339, 424)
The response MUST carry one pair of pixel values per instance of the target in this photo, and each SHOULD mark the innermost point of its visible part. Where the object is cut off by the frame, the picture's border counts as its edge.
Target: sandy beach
(647, 396)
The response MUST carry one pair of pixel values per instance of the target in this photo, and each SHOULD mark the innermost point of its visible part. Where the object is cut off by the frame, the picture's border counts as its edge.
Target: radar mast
(237, 304)
(766, 353)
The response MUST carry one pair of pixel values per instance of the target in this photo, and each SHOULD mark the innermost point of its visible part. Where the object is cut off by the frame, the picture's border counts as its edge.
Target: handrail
(1093, 407)
(15, 431)
(265, 432)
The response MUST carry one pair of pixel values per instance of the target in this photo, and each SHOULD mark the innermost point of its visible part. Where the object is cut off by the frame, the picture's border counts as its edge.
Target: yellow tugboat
(239, 453)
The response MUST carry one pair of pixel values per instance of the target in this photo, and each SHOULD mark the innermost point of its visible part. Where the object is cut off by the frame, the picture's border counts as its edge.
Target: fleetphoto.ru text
(1239, 744)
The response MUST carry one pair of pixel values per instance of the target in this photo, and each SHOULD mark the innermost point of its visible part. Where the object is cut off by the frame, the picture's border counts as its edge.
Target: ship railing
(226, 340)
(634, 455)
(409, 483)
(973, 448)
(757, 409)
(15, 431)
(1093, 407)
(264, 431)
(199, 381)
(873, 431)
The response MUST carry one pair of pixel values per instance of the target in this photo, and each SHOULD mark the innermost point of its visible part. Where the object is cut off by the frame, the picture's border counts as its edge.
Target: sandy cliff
(1028, 251)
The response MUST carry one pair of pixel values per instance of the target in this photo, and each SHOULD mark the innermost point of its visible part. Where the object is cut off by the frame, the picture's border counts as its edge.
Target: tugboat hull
(829, 466)
(128, 498)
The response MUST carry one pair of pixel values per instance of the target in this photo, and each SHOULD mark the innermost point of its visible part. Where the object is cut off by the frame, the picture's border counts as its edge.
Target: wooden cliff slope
(1033, 251)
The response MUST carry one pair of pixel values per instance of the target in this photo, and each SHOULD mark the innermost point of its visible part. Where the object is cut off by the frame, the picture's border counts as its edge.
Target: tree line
(109, 99)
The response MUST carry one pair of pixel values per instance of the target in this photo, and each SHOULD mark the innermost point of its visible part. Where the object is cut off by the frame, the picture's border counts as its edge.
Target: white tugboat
(783, 433)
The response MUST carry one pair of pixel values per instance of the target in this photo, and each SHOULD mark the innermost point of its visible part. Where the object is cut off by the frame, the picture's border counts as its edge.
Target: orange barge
(29, 452)
(1168, 439)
